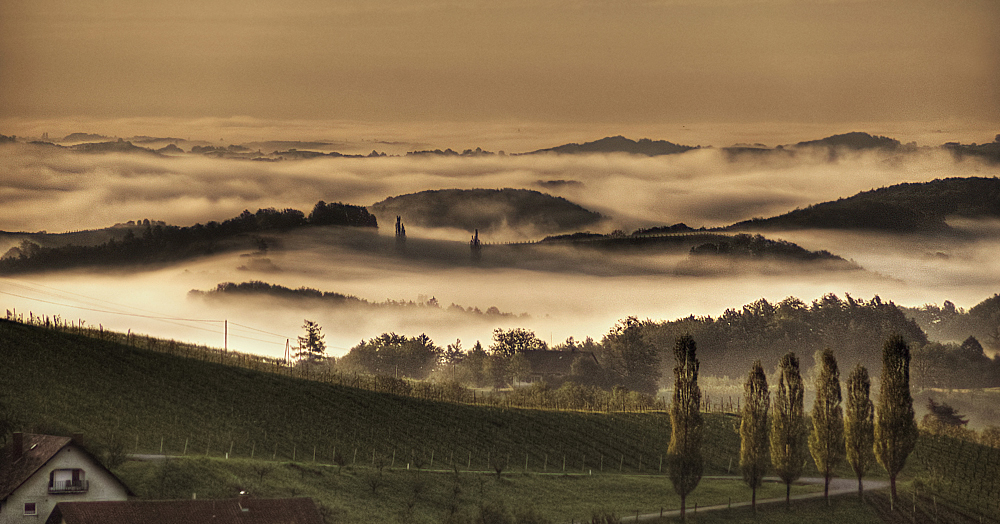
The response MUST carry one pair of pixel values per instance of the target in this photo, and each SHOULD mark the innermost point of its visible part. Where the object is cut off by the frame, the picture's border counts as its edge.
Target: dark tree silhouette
(517, 340)
(631, 358)
(895, 427)
(311, 347)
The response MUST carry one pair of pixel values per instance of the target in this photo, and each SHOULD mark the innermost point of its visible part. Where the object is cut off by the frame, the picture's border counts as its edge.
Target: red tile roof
(226, 511)
(38, 449)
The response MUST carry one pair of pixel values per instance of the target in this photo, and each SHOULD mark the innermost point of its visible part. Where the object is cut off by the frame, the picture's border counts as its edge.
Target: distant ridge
(854, 140)
(84, 137)
(619, 144)
(119, 146)
(901, 208)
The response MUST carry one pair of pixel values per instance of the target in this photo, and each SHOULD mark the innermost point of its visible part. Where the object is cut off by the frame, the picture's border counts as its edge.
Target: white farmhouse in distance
(39, 471)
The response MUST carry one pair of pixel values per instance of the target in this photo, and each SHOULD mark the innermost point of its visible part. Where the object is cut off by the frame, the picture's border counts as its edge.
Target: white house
(39, 471)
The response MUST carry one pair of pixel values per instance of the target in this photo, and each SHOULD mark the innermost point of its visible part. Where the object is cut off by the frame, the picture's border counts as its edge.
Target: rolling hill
(59, 382)
(284, 433)
(902, 208)
(486, 210)
(854, 140)
(619, 144)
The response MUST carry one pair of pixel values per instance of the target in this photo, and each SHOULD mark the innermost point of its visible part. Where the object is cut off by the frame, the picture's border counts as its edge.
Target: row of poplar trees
(781, 439)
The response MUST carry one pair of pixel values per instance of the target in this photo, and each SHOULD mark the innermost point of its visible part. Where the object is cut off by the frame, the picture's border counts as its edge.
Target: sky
(646, 66)
(514, 75)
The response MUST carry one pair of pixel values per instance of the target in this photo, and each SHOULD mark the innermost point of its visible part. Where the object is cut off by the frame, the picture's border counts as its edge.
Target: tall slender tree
(859, 424)
(788, 427)
(895, 425)
(684, 458)
(826, 443)
(753, 430)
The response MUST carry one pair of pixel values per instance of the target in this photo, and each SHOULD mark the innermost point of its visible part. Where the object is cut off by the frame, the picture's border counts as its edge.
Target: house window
(29, 508)
(68, 481)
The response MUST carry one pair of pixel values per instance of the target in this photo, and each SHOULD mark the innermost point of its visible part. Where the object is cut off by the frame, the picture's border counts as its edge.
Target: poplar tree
(753, 430)
(826, 443)
(895, 425)
(859, 424)
(684, 458)
(788, 427)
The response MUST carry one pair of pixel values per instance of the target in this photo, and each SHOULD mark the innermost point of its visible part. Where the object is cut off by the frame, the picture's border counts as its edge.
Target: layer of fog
(45, 189)
(560, 299)
(565, 293)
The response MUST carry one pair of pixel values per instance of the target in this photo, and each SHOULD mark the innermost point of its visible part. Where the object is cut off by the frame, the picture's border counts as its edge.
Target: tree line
(331, 298)
(777, 435)
(633, 353)
(161, 243)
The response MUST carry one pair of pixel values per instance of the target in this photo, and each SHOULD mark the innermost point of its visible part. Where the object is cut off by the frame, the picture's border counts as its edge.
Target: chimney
(17, 446)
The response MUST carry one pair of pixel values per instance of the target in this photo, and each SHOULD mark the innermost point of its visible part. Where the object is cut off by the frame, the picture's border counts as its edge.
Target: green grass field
(364, 494)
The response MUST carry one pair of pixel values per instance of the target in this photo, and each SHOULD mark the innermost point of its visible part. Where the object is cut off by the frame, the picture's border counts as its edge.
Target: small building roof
(554, 362)
(37, 450)
(243, 510)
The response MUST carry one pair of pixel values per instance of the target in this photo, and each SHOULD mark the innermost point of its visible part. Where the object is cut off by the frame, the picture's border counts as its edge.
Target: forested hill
(902, 208)
(487, 209)
(160, 243)
(854, 329)
(854, 140)
(619, 144)
(309, 297)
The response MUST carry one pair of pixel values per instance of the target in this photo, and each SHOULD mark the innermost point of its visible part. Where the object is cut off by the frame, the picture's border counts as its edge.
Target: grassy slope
(404, 495)
(62, 382)
(142, 400)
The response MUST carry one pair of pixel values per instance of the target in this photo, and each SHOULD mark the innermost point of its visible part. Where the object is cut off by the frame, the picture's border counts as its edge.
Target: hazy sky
(620, 62)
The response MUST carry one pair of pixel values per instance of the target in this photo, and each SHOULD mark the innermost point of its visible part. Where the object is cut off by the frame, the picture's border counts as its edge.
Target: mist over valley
(571, 242)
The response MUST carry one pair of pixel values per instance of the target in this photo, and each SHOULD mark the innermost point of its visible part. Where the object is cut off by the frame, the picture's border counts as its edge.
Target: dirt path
(838, 486)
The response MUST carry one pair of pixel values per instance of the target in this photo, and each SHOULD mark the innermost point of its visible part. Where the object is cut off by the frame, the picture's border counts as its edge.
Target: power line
(108, 311)
(146, 316)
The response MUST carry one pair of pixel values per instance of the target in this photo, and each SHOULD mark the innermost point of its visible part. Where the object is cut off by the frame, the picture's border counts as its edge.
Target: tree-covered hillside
(902, 208)
(853, 328)
(163, 243)
(854, 140)
(949, 323)
(486, 210)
